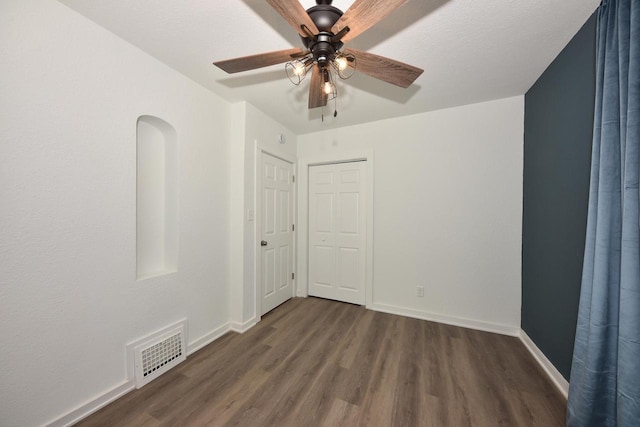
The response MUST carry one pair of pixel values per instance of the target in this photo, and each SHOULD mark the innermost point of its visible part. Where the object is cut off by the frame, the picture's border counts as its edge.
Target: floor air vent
(156, 354)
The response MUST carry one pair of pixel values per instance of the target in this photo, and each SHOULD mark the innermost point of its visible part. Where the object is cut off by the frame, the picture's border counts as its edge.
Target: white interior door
(337, 231)
(277, 235)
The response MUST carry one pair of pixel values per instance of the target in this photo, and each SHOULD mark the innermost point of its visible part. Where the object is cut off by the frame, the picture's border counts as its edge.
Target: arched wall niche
(156, 198)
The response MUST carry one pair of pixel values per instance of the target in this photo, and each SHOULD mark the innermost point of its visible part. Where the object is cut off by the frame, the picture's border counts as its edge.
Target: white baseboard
(93, 405)
(103, 400)
(208, 338)
(449, 320)
(556, 377)
(244, 327)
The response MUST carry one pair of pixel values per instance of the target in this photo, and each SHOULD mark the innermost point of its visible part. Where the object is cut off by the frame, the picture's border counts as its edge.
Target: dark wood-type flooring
(314, 362)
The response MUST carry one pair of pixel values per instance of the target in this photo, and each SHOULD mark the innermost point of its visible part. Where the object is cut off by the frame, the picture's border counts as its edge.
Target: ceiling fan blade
(317, 98)
(252, 62)
(293, 12)
(363, 14)
(385, 69)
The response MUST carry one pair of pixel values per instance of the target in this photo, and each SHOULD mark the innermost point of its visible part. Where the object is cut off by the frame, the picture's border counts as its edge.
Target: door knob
(264, 243)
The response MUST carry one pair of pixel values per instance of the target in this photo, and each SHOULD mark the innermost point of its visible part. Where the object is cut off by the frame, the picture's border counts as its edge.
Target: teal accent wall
(558, 129)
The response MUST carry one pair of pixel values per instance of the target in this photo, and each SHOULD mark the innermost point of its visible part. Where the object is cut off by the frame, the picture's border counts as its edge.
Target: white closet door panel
(337, 231)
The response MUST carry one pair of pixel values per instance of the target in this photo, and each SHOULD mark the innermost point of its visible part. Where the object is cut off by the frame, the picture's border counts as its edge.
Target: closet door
(337, 232)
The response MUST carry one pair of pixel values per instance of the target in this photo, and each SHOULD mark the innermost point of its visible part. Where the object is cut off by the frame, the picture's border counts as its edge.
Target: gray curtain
(605, 375)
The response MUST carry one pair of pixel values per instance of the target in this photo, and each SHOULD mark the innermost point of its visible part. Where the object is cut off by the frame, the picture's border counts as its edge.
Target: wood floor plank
(300, 319)
(355, 384)
(313, 406)
(212, 387)
(341, 414)
(354, 337)
(408, 394)
(322, 352)
(314, 362)
(291, 377)
(242, 391)
(382, 389)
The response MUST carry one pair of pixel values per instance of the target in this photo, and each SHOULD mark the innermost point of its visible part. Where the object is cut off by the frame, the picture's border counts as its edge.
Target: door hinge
(293, 276)
(293, 227)
(294, 178)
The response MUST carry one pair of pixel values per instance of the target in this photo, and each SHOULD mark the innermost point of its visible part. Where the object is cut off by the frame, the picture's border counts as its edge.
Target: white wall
(237, 214)
(70, 96)
(447, 210)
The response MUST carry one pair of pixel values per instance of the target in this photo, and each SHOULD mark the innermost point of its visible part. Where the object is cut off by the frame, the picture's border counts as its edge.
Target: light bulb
(341, 62)
(298, 68)
(327, 88)
(344, 65)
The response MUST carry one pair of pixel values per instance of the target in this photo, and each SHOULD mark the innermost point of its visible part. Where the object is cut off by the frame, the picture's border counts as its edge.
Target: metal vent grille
(157, 353)
(164, 352)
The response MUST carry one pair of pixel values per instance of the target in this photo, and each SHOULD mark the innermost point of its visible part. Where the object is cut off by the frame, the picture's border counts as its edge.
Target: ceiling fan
(324, 29)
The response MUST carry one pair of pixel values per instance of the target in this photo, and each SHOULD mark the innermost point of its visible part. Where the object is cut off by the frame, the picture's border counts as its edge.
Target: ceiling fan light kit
(324, 29)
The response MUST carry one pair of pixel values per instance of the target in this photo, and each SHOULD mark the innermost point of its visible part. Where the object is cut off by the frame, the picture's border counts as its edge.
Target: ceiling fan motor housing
(324, 16)
(323, 49)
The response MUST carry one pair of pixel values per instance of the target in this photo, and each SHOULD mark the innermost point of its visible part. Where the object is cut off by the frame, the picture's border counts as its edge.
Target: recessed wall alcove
(156, 198)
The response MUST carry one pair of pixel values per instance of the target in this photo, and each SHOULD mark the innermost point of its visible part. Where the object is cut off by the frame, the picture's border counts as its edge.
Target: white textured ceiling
(471, 51)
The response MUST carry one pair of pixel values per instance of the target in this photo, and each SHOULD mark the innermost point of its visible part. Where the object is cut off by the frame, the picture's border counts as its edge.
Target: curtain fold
(605, 374)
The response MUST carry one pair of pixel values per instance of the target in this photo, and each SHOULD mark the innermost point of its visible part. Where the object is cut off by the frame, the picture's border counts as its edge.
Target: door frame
(260, 151)
(302, 183)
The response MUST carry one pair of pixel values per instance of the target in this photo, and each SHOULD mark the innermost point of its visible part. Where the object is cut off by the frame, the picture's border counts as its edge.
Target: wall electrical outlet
(420, 291)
